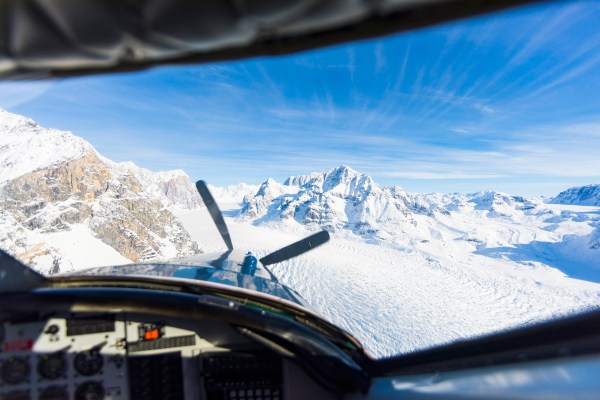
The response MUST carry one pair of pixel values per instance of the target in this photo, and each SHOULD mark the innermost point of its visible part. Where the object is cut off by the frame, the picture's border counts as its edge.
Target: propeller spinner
(285, 253)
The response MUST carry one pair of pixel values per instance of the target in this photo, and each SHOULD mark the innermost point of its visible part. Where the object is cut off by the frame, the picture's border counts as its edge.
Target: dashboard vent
(162, 343)
(89, 325)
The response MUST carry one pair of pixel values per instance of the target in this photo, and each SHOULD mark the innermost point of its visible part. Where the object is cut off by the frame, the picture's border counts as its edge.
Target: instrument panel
(59, 358)
(118, 356)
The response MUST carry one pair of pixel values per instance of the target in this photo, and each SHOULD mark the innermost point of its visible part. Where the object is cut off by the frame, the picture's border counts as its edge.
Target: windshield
(456, 168)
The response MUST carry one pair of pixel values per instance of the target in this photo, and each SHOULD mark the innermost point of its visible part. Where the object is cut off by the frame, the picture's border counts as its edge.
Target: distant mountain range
(59, 196)
(494, 224)
(343, 198)
(53, 182)
(588, 195)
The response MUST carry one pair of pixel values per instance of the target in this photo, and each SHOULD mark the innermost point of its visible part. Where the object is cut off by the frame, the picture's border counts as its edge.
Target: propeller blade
(295, 249)
(215, 212)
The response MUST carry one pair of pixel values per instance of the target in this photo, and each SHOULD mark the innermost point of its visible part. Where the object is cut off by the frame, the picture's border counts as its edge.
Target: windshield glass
(456, 168)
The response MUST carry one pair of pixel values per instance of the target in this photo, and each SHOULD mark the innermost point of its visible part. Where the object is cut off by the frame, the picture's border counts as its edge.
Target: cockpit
(139, 356)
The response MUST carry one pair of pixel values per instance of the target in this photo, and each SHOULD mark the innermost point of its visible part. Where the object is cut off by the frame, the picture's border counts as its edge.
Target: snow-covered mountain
(340, 198)
(442, 225)
(173, 188)
(588, 195)
(26, 146)
(57, 194)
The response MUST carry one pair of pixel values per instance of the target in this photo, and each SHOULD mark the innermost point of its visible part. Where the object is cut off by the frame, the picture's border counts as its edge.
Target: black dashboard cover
(46, 38)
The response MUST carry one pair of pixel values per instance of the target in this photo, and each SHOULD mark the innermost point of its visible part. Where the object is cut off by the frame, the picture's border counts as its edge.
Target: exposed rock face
(179, 191)
(173, 188)
(69, 189)
(131, 216)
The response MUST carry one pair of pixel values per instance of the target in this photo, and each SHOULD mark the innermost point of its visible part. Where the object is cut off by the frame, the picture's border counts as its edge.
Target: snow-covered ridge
(25, 146)
(342, 181)
(588, 195)
(343, 198)
(340, 198)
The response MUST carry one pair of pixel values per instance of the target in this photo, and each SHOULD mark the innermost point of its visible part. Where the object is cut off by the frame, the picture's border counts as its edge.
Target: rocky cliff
(70, 185)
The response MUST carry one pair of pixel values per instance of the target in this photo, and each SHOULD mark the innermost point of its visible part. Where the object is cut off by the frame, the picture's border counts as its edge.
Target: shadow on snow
(559, 255)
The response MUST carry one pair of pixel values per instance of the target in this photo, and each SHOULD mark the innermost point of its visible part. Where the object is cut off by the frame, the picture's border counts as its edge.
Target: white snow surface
(234, 194)
(75, 246)
(25, 146)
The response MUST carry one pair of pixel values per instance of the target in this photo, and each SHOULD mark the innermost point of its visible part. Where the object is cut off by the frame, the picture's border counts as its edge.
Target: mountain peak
(9, 121)
(340, 197)
(270, 186)
(26, 146)
(343, 169)
(345, 181)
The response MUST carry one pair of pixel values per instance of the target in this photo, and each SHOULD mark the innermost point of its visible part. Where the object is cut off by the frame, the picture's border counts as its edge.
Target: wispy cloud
(380, 59)
(351, 62)
(483, 108)
(446, 175)
(494, 99)
(14, 94)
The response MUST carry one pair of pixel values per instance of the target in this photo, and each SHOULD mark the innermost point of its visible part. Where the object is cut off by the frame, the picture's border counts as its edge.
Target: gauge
(52, 329)
(89, 390)
(88, 362)
(15, 370)
(52, 366)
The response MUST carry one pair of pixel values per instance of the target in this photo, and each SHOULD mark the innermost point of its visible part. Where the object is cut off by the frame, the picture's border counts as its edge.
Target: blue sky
(508, 102)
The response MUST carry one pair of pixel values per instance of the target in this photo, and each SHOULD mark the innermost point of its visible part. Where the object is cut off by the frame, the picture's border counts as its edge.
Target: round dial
(54, 393)
(52, 366)
(89, 390)
(88, 362)
(15, 370)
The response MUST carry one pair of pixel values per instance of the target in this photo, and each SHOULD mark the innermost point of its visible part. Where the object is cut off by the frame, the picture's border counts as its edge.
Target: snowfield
(397, 299)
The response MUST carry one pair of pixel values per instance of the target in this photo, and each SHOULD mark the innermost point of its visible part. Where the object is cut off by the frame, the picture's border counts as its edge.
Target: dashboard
(130, 356)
